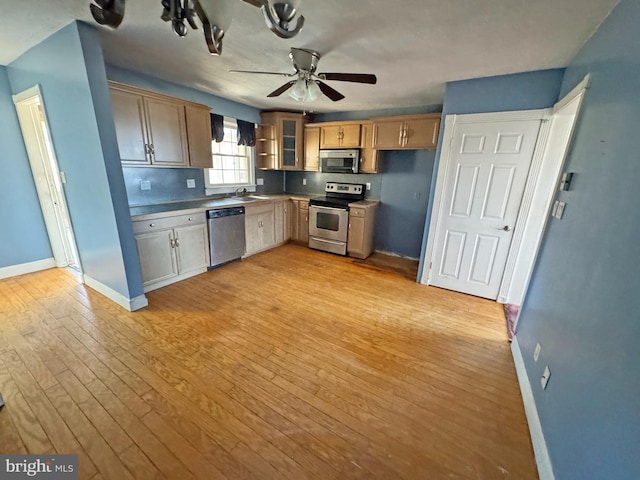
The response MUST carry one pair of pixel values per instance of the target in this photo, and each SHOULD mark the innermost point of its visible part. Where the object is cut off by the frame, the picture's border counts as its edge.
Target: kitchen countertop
(149, 212)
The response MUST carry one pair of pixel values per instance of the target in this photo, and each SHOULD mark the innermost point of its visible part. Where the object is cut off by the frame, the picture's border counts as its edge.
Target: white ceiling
(413, 46)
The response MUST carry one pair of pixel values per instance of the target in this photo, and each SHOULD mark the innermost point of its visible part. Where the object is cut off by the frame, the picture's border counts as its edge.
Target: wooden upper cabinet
(311, 148)
(289, 138)
(131, 131)
(167, 132)
(158, 130)
(199, 136)
(340, 135)
(408, 132)
(368, 156)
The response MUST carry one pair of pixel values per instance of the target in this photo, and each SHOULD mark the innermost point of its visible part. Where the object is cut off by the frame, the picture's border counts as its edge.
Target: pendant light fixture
(215, 16)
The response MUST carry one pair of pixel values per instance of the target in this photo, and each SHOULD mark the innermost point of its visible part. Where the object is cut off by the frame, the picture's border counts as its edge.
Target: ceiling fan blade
(350, 77)
(282, 89)
(264, 73)
(330, 92)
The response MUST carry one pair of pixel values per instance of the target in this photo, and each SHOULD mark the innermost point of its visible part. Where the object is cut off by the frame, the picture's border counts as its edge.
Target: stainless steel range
(329, 216)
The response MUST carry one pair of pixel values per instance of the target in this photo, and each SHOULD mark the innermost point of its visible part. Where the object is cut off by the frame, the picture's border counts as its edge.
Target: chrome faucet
(239, 193)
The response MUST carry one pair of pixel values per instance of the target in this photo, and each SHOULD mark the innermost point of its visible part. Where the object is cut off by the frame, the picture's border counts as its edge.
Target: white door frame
(535, 219)
(549, 156)
(45, 170)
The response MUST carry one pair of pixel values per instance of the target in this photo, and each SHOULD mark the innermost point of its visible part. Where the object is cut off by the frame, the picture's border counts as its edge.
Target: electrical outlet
(368, 185)
(191, 183)
(260, 181)
(145, 185)
(304, 181)
(545, 377)
(416, 195)
(63, 177)
(536, 352)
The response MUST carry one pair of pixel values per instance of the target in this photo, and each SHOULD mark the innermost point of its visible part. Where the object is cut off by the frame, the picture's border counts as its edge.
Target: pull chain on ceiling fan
(310, 85)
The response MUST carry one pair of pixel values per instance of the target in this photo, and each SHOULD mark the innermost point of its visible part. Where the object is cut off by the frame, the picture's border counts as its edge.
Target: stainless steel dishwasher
(226, 235)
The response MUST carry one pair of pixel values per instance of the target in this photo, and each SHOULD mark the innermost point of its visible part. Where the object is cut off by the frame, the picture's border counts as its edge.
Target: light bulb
(299, 90)
(313, 91)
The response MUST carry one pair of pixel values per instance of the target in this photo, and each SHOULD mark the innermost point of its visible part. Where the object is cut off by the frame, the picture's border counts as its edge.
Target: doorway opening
(48, 178)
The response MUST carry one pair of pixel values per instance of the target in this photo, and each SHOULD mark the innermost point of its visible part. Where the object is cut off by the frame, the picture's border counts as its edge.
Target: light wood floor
(292, 364)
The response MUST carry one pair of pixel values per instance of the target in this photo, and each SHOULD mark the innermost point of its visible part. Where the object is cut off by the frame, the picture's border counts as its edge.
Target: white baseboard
(15, 270)
(391, 254)
(543, 461)
(131, 304)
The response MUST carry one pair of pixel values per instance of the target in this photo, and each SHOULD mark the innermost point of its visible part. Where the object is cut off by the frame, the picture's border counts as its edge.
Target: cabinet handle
(190, 219)
(401, 135)
(151, 149)
(172, 242)
(152, 224)
(177, 242)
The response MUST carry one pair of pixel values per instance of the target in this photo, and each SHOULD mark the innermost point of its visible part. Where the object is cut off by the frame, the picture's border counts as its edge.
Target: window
(233, 164)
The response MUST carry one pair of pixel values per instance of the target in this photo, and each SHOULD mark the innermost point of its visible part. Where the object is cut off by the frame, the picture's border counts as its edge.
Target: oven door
(328, 223)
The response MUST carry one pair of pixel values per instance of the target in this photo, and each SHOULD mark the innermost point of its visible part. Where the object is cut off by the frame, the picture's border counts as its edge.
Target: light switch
(145, 185)
(191, 183)
(554, 210)
(368, 185)
(260, 181)
(544, 380)
(304, 181)
(560, 210)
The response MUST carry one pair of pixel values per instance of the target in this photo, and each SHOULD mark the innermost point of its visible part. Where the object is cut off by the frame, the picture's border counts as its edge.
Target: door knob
(506, 228)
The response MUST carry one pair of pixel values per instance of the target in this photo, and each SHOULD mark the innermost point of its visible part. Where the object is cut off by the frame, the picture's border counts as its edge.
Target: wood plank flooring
(292, 364)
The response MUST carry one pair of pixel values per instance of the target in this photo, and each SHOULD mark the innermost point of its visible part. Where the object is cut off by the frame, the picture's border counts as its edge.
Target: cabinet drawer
(258, 209)
(144, 226)
(357, 212)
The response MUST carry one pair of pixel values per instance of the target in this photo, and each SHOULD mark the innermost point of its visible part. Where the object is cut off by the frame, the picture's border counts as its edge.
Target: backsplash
(316, 182)
(170, 184)
(167, 184)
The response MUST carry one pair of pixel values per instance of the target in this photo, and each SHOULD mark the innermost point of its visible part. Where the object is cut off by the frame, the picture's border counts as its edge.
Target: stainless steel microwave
(339, 161)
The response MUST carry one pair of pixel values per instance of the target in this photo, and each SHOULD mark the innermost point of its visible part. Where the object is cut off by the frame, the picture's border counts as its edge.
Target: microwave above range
(339, 161)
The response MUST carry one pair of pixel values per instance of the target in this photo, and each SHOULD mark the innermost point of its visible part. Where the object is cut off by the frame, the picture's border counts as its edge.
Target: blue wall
(504, 93)
(23, 237)
(58, 66)
(404, 201)
(583, 304)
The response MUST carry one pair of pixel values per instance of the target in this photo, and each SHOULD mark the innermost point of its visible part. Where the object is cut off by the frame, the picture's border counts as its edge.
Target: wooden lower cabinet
(260, 229)
(362, 222)
(300, 221)
(171, 248)
(283, 221)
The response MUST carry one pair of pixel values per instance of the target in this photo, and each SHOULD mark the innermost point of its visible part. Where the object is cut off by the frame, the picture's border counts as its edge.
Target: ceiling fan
(309, 85)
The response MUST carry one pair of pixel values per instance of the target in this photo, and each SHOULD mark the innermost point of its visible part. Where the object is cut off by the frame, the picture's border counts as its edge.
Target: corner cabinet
(362, 220)
(406, 132)
(171, 248)
(158, 130)
(289, 138)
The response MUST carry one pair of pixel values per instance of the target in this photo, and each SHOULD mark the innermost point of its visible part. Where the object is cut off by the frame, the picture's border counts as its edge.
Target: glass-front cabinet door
(289, 144)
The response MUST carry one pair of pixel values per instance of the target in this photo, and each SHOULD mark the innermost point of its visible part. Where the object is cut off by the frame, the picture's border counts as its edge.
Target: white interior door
(47, 177)
(485, 177)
